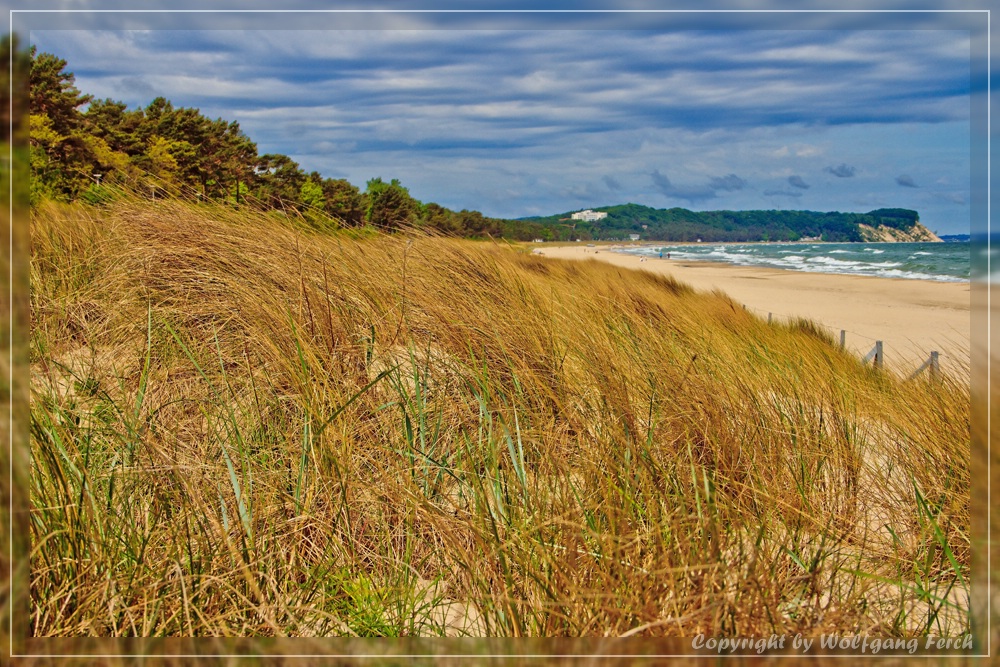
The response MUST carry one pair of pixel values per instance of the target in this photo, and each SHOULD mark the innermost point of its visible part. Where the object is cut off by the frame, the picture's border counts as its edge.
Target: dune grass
(240, 426)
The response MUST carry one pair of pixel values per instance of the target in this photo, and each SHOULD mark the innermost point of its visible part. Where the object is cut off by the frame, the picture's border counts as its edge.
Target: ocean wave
(824, 259)
(830, 261)
(916, 275)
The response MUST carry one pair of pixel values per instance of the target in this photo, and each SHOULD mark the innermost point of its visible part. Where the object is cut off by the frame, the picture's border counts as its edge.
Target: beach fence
(876, 357)
(933, 365)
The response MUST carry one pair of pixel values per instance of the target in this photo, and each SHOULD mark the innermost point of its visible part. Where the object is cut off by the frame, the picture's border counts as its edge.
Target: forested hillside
(84, 148)
(678, 224)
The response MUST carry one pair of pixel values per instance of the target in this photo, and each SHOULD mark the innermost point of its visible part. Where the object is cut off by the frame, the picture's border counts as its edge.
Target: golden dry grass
(243, 427)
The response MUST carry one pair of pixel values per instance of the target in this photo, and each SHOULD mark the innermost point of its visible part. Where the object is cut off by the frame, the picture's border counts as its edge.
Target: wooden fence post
(769, 318)
(933, 364)
(879, 359)
(843, 339)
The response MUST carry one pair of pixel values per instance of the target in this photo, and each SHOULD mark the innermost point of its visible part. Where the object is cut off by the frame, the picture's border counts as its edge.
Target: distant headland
(638, 222)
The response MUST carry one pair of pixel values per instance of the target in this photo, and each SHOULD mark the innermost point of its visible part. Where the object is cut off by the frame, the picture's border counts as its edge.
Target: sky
(518, 118)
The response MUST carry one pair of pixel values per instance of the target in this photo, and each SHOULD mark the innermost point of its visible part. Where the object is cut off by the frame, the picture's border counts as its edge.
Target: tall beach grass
(242, 426)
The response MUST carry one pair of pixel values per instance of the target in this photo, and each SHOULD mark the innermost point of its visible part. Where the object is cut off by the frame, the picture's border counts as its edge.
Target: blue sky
(517, 122)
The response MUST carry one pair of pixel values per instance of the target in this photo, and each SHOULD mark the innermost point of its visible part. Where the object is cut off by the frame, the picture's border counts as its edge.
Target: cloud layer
(522, 122)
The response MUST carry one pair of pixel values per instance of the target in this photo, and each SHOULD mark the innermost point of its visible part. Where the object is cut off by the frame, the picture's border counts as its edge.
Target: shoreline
(911, 317)
(763, 263)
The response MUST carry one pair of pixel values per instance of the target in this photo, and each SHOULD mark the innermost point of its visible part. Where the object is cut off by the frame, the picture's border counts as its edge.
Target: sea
(946, 262)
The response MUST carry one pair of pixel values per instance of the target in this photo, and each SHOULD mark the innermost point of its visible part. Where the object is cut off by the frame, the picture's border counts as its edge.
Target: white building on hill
(588, 215)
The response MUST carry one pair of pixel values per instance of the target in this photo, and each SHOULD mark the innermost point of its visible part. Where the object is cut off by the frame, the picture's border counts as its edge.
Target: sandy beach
(910, 317)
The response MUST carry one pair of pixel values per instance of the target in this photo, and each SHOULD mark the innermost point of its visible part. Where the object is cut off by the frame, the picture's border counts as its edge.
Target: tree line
(81, 148)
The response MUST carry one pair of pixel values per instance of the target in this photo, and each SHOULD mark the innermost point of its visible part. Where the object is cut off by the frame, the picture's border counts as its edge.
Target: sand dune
(911, 317)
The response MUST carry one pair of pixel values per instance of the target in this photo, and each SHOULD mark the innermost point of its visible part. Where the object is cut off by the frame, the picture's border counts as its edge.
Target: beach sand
(910, 317)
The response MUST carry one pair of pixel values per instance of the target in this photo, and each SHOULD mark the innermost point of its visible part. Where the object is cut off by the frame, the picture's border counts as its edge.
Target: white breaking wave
(819, 258)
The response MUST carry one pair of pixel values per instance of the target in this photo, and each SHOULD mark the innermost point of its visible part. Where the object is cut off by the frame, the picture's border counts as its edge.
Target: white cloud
(808, 151)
